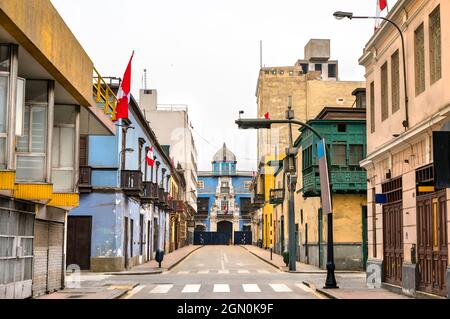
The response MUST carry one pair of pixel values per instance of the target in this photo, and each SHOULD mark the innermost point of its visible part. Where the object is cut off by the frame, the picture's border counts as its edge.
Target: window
(342, 128)
(3, 106)
(435, 45)
(307, 158)
(200, 184)
(395, 82)
(384, 92)
(419, 55)
(372, 107)
(338, 157)
(63, 149)
(318, 67)
(305, 67)
(248, 184)
(356, 154)
(224, 206)
(20, 106)
(332, 70)
(4, 58)
(301, 216)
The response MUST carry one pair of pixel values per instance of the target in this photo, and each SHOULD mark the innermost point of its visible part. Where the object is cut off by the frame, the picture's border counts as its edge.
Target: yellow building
(46, 102)
(309, 85)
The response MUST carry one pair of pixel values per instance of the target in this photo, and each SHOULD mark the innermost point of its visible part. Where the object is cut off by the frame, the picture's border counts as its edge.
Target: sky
(206, 53)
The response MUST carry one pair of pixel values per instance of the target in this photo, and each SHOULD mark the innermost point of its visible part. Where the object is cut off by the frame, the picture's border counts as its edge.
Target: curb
(263, 259)
(183, 258)
(320, 291)
(135, 273)
(126, 291)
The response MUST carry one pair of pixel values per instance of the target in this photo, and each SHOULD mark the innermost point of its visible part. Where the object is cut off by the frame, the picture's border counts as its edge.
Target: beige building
(408, 235)
(312, 83)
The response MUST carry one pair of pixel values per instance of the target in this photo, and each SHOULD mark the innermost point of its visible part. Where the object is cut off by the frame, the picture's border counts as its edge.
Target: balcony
(85, 180)
(150, 194)
(258, 201)
(177, 205)
(277, 196)
(343, 181)
(131, 183)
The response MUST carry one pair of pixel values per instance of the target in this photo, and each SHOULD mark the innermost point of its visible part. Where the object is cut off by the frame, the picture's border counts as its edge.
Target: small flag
(123, 95)
(267, 116)
(150, 158)
(381, 5)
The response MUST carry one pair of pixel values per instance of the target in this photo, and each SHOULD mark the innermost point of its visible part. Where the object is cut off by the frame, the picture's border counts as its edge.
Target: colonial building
(224, 197)
(312, 83)
(46, 102)
(128, 209)
(408, 223)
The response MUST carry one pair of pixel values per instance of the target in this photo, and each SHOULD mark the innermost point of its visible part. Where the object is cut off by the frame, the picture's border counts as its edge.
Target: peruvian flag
(150, 158)
(123, 96)
(381, 5)
(267, 116)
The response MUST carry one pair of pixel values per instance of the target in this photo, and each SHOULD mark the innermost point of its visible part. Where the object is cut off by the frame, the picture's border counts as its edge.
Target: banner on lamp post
(324, 177)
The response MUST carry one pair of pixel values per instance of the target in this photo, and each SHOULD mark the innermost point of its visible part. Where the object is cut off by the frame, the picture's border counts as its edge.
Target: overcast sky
(205, 53)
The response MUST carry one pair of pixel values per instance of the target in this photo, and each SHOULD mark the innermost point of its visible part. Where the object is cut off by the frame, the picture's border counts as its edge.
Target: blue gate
(212, 238)
(243, 238)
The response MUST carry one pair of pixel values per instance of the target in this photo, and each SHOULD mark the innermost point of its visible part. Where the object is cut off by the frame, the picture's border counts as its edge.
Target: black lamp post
(292, 153)
(349, 15)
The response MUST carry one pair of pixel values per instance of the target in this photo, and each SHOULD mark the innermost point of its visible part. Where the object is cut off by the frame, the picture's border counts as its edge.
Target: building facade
(408, 223)
(224, 196)
(308, 86)
(128, 210)
(46, 102)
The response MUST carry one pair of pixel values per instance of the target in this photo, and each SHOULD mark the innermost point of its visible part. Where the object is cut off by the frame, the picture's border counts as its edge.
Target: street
(222, 272)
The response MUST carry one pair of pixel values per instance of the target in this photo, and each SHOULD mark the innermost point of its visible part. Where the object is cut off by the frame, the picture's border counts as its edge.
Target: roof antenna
(145, 79)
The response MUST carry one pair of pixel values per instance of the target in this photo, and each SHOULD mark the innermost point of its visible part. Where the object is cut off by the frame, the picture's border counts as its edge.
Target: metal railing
(131, 180)
(277, 196)
(85, 176)
(104, 97)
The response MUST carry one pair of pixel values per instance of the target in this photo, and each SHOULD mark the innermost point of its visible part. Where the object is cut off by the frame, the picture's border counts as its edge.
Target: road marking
(243, 272)
(161, 289)
(184, 272)
(280, 288)
(201, 265)
(251, 288)
(221, 288)
(304, 287)
(134, 291)
(203, 272)
(225, 257)
(262, 271)
(191, 289)
(224, 271)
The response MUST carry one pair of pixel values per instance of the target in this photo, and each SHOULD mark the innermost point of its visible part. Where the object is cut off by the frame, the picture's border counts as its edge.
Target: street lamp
(291, 153)
(339, 15)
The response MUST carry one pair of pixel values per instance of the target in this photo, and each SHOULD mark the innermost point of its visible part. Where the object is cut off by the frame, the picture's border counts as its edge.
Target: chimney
(360, 94)
(148, 102)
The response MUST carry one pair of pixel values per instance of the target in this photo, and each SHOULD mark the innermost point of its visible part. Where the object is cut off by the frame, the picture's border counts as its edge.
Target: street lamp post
(349, 15)
(325, 186)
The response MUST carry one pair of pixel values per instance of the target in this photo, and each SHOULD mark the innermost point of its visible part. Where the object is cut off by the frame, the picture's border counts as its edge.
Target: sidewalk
(169, 261)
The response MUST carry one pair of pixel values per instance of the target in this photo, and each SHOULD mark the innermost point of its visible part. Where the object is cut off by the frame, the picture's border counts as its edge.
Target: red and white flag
(150, 158)
(381, 5)
(123, 95)
(267, 116)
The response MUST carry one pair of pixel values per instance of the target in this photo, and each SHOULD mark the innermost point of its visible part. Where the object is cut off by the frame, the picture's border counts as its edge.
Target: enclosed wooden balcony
(131, 183)
(277, 196)
(85, 180)
(150, 193)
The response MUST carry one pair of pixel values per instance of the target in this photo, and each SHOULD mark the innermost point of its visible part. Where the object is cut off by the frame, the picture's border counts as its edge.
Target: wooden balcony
(277, 196)
(177, 205)
(150, 194)
(258, 201)
(131, 183)
(85, 180)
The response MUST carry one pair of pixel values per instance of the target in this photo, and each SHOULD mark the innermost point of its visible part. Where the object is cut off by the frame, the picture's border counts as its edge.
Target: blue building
(224, 196)
(126, 206)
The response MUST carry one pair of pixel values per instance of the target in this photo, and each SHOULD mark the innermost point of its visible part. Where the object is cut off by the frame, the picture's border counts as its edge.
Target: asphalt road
(222, 272)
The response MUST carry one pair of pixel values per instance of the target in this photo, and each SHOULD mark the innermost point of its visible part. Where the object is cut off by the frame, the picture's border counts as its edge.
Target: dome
(224, 155)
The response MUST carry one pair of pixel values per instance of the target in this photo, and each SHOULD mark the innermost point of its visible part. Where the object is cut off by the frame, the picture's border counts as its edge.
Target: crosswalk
(222, 288)
(223, 271)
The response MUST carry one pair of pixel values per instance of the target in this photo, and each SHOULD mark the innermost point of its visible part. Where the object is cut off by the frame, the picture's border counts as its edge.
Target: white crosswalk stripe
(161, 289)
(280, 288)
(191, 289)
(243, 272)
(251, 288)
(221, 288)
(224, 271)
(183, 272)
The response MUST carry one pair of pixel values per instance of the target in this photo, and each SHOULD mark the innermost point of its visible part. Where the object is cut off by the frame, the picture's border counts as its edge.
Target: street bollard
(271, 252)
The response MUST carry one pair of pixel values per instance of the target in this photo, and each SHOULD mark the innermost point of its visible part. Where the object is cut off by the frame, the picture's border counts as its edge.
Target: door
(40, 267)
(55, 256)
(125, 243)
(148, 240)
(432, 243)
(393, 242)
(226, 228)
(141, 237)
(365, 238)
(155, 235)
(79, 234)
(282, 235)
